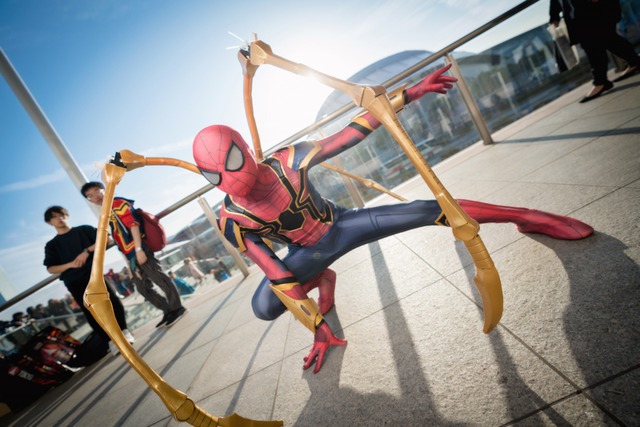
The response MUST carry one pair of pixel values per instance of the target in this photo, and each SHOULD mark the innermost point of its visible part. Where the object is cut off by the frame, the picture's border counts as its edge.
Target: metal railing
(442, 53)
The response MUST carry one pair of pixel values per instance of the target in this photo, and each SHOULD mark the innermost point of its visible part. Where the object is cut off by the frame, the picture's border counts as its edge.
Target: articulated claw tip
(488, 283)
(235, 420)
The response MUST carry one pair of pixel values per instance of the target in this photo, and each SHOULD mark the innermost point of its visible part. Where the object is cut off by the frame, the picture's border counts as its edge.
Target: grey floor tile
(251, 397)
(620, 396)
(248, 349)
(574, 411)
(557, 300)
(422, 361)
(147, 407)
(593, 163)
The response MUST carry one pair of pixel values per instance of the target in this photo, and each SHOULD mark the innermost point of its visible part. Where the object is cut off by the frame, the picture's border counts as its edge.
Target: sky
(148, 75)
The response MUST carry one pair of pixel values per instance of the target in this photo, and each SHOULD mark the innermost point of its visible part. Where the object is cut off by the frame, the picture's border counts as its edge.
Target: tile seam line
(281, 362)
(577, 389)
(587, 142)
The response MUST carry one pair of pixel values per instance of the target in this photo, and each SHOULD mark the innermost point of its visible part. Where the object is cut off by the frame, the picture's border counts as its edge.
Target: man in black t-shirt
(70, 253)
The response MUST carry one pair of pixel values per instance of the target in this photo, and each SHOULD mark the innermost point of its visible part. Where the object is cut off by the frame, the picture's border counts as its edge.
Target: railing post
(467, 97)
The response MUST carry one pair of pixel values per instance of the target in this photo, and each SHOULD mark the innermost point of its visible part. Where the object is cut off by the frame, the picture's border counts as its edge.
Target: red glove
(434, 82)
(323, 339)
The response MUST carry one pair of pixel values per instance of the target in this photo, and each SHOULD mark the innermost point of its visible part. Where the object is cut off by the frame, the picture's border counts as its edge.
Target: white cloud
(166, 149)
(35, 182)
(23, 263)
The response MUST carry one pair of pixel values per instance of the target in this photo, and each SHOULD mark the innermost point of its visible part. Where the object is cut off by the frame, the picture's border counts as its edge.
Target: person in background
(126, 279)
(194, 270)
(70, 253)
(128, 233)
(40, 312)
(58, 308)
(222, 266)
(19, 319)
(592, 24)
(183, 287)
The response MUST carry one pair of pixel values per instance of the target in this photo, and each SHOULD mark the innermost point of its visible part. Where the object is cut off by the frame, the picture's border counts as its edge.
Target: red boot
(528, 220)
(326, 284)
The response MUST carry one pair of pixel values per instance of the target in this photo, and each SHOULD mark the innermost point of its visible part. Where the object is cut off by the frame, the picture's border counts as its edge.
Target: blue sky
(147, 75)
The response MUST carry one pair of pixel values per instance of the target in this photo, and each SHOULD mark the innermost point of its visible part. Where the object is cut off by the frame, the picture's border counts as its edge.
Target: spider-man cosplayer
(274, 199)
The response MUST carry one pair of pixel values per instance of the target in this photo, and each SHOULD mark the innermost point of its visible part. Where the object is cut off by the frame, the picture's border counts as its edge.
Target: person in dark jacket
(70, 254)
(592, 24)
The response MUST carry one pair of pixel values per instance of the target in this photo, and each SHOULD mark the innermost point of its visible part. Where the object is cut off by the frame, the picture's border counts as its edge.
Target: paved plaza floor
(567, 351)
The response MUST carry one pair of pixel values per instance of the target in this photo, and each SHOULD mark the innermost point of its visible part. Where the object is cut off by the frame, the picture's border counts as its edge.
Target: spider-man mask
(225, 159)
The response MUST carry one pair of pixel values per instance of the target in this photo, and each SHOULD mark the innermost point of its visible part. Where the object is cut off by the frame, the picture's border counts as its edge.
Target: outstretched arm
(362, 126)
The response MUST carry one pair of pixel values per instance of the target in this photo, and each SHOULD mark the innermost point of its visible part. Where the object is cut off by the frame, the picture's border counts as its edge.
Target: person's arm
(362, 126)
(84, 255)
(51, 257)
(289, 290)
(137, 241)
(125, 212)
(55, 269)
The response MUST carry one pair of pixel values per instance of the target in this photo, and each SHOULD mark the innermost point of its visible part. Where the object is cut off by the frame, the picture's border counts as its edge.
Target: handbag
(155, 237)
(564, 50)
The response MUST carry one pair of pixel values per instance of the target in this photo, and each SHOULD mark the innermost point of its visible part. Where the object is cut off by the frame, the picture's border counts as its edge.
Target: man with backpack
(127, 229)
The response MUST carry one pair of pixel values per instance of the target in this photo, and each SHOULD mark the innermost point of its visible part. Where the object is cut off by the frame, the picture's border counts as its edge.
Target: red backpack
(155, 238)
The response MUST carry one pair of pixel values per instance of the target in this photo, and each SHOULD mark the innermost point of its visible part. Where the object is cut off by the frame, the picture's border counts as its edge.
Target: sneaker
(163, 321)
(128, 336)
(174, 316)
(113, 349)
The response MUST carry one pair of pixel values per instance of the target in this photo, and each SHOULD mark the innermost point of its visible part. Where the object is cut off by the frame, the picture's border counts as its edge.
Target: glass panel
(51, 306)
(439, 125)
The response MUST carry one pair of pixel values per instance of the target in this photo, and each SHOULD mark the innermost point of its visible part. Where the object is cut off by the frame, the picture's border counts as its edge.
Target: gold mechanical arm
(133, 161)
(374, 99)
(249, 70)
(96, 299)
(305, 310)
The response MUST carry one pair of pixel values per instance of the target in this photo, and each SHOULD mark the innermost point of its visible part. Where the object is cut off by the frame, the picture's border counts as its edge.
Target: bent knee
(266, 308)
(261, 314)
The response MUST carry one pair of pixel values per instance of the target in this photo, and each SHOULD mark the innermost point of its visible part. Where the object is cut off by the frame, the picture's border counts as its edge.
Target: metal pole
(213, 220)
(45, 127)
(476, 116)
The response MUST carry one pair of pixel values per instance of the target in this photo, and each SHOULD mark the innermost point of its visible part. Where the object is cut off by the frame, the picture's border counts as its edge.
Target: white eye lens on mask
(235, 158)
(213, 177)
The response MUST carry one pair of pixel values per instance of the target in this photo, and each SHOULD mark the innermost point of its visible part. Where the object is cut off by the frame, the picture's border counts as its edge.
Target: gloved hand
(323, 339)
(434, 82)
